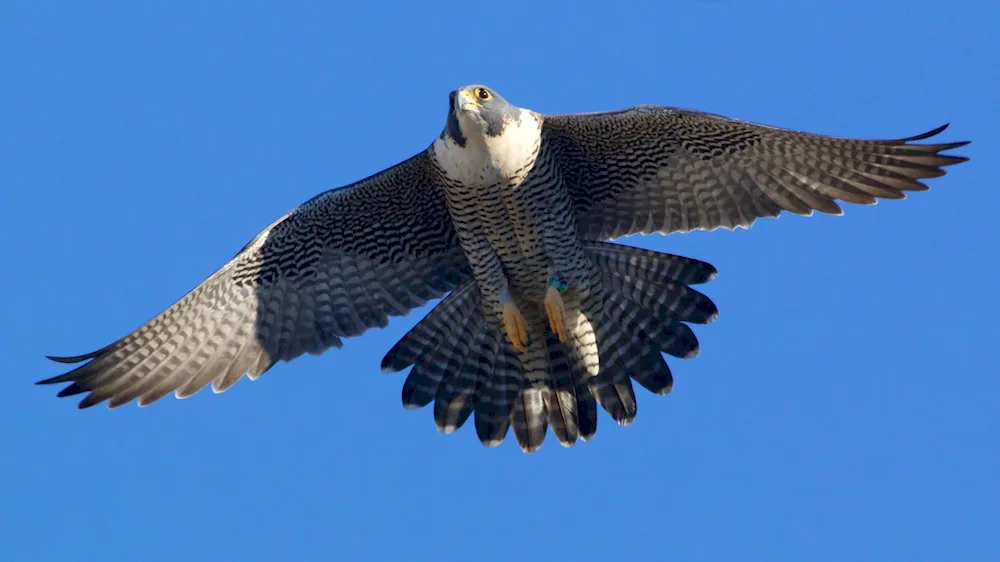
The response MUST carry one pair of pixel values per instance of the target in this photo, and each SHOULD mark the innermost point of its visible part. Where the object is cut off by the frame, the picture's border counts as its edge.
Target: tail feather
(667, 333)
(653, 373)
(560, 402)
(455, 398)
(586, 410)
(615, 394)
(572, 407)
(530, 419)
(571, 384)
(433, 328)
(495, 401)
(464, 363)
(569, 381)
(619, 357)
(442, 338)
(664, 299)
(648, 265)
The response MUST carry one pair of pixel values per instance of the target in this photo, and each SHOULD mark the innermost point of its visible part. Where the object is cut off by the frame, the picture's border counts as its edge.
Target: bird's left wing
(658, 169)
(332, 268)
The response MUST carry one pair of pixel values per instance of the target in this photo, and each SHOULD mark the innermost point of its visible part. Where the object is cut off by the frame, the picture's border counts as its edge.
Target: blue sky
(843, 406)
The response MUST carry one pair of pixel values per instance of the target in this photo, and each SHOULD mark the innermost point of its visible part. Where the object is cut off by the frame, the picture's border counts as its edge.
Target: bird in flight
(507, 215)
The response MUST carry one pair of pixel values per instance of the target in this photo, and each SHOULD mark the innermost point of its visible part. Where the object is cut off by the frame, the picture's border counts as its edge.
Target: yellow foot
(556, 311)
(516, 326)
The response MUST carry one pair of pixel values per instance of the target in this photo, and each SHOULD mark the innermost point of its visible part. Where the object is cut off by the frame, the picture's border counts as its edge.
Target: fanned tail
(639, 309)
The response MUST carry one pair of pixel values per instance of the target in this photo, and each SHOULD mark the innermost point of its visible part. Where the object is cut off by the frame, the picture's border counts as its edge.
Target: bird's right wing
(660, 169)
(332, 268)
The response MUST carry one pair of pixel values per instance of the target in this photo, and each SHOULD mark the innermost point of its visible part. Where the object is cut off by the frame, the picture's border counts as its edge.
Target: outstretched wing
(657, 169)
(332, 268)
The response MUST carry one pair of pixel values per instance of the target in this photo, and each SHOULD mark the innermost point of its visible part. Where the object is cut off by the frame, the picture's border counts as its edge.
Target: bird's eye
(482, 93)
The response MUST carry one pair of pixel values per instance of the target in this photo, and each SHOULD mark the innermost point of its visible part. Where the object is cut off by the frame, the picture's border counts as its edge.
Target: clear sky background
(844, 405)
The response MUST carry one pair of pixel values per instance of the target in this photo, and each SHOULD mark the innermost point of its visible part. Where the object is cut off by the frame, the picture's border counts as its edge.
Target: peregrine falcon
(506, 217)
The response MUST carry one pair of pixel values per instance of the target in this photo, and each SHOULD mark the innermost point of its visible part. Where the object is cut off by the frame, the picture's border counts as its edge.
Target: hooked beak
(462, 101)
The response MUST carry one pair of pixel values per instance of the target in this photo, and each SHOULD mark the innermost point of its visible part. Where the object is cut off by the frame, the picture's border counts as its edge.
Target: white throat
(486, 160)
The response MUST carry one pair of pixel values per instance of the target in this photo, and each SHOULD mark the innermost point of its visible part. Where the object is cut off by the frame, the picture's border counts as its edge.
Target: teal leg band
(558, 282)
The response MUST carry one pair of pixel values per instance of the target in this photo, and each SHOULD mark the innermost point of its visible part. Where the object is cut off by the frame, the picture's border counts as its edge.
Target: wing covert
(658, 169)
(339, 264)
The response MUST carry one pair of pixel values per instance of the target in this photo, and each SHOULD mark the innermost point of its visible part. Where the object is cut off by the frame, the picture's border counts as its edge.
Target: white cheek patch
(516, 149)
(486, 160)
(464, 164)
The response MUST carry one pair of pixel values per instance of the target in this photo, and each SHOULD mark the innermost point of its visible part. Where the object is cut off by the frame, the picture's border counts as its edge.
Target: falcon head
(477, 111)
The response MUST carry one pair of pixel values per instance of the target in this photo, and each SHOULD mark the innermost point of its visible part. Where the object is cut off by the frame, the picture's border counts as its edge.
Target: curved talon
(556, 311)
(516, 326)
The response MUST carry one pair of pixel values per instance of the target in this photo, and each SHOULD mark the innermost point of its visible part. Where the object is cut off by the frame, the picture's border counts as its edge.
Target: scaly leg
(514, 323)
(555, 309)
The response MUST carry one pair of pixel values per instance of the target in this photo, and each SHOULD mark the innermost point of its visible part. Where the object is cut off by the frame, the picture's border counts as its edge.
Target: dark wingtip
(75, 359)
(389, 363)
(953, 145)
(935, 132)
(712, 273)
(55, 380)
(385, 364)
(707, 272)
(926, 135)
(72, 390)
(89, 401)
(957, 159)
(84, 357)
